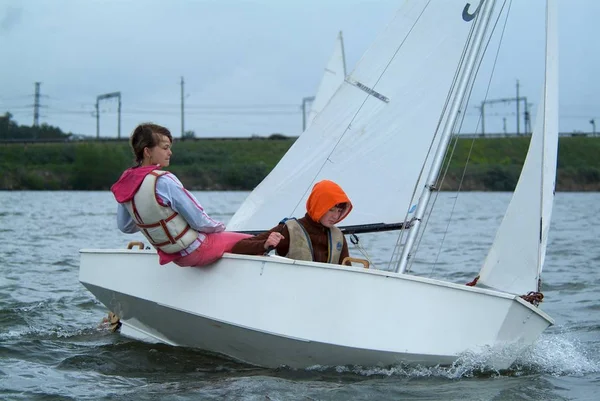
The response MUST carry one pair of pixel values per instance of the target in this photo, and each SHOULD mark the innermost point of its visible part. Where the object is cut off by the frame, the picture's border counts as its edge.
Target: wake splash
(559, 355)
(55, 333)
(554, 355)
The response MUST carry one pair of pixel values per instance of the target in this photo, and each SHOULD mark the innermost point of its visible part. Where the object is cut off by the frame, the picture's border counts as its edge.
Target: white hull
(272, 311)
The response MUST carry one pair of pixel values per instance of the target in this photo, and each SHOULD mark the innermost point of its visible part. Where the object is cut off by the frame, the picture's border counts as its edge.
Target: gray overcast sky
(255, 60)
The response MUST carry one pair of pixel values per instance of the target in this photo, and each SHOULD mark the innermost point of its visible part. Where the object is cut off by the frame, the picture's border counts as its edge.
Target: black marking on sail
(468, 16)
(368, 90)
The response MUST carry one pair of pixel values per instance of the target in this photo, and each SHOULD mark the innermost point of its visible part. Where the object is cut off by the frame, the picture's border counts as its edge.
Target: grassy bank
(215, 164)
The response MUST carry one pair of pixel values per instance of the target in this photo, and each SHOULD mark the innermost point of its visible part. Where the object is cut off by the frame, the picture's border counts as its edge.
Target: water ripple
(52, 345)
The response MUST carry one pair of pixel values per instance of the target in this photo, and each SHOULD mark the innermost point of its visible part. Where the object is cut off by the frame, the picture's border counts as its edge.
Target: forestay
(374, 135)
(334, 75)
(516, 258)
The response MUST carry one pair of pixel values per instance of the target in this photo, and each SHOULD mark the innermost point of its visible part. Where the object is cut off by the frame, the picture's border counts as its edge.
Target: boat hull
(272, 311)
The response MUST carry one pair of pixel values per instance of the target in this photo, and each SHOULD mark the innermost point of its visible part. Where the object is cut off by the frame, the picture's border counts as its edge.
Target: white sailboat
(333, 77)
(273, 311)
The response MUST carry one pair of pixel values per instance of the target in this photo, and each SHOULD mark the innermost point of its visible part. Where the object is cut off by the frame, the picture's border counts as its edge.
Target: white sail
(334, 75)
(376, 131)
(517, 255)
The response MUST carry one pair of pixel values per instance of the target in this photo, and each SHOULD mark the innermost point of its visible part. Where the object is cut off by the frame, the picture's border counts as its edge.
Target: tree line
(492, 164)
(10, 130)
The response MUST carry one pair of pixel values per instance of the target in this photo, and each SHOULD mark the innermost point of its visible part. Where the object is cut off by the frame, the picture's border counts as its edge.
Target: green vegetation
(10, 130)
(495, 164)
(222, 164)
(219, 164)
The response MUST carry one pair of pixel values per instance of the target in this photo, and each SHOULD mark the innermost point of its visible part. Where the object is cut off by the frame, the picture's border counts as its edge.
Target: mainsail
(334, 75)
(516, 257)
(375, 134)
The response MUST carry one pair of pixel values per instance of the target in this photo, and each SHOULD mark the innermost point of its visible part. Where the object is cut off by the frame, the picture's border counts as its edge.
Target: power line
(217, 106)
(63, 111)
(213, 113)
(28, 106)
(15, 97)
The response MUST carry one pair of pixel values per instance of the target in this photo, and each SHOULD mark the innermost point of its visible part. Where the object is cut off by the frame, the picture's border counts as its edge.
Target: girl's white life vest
(301, 246)
(164, 228)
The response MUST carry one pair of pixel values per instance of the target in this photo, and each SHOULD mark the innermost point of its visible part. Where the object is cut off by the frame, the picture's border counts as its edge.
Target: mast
(481, 22)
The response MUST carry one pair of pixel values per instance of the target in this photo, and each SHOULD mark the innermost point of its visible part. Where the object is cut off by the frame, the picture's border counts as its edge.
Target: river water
(53, 348)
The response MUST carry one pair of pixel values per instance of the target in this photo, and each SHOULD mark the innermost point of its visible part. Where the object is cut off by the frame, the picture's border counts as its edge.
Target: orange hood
(325, 195)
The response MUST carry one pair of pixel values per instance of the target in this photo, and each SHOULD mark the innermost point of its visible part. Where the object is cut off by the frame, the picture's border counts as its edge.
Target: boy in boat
(313, 237)
(156, 203)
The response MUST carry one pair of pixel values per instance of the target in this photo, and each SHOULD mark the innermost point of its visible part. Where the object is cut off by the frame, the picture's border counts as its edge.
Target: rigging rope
(451, 149)
(533, 297)
(354, 239)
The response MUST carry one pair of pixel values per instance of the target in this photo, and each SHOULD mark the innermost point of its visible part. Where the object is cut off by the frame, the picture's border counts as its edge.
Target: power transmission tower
(304, 101)
(527, 117)
(518, 110)
(508, 100)
(107, 96)
(36, 105)
(182, 122)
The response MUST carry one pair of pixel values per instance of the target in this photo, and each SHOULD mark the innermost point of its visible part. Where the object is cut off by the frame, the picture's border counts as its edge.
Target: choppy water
(52, 348)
